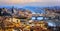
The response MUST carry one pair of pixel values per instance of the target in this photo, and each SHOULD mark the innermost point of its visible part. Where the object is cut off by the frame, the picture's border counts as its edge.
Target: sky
(30, 2)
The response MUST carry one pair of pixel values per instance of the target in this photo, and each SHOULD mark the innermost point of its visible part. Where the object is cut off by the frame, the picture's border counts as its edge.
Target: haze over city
(29, 3)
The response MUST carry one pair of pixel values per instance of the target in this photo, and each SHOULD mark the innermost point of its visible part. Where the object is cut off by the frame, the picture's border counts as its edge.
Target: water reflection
(37, 18)
(40, 18)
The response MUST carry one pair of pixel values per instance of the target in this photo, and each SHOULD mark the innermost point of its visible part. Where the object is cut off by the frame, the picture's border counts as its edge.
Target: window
(17, 20)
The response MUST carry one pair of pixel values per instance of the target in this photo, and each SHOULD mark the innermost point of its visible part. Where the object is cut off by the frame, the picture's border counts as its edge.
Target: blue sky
(30, 2)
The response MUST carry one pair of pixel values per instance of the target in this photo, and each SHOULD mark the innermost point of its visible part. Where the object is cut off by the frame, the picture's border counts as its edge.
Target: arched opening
(17, 30)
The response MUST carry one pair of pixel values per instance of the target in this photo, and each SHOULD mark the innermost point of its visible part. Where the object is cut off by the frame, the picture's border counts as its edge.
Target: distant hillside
(35, 9)
(54, 7)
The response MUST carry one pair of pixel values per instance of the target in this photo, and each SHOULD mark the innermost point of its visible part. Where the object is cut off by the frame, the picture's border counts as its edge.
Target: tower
(12, 9)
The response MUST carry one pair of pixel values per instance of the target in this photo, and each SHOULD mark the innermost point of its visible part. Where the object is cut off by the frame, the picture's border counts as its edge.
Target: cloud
(18, 1)
(29, 2)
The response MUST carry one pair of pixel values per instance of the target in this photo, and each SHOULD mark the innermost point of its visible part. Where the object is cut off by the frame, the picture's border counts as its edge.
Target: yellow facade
(11, 24)
(15, 20)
